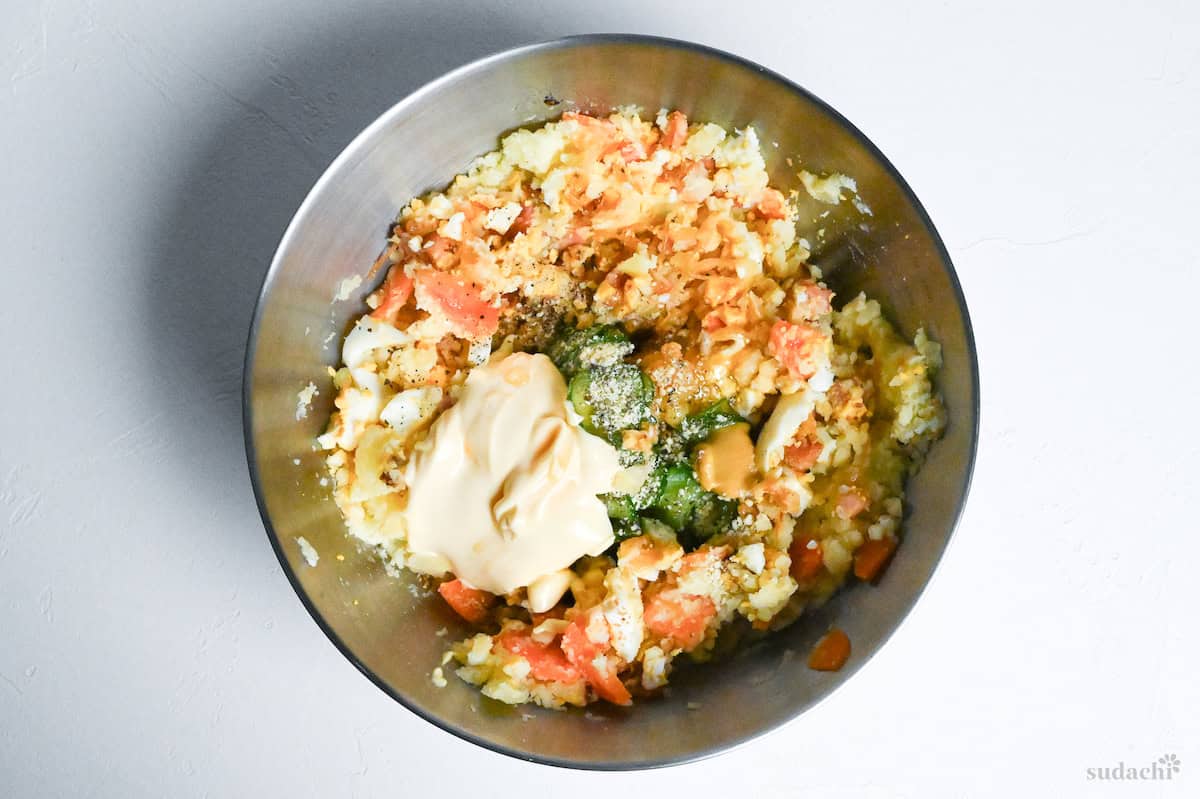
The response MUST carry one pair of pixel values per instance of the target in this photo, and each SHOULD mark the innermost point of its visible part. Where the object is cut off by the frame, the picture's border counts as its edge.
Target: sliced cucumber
(619, 506)
(626, 528)
(694, 514)
(651, 489)
(611, 398)
(678, 498)
(575, 349)
(700, 426)
(671, 446)
(712, 516)
(656, 529)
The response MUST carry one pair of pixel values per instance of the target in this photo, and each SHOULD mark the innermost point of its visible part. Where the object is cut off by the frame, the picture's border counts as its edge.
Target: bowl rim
(431, 87)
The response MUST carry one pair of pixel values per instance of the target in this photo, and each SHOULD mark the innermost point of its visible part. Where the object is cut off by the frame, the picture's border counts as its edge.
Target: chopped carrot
(546, 661)
(587, 120)
(594, 130)
(575, 641)
(675, 133)
(441, 245)
(681, 617)
(818, 300)
(470, 603)
(712, 321)
(852, 503)
(717, 290)
(872, 557)
(596, 138)
(633, 151)
(397, 288)
(803, 456)
(795, 346)
(702, 558)
(595, 661)
(806, 561)
(461, 302)
(772, 205)
(576, 235)
(831, 652)
(522, 222)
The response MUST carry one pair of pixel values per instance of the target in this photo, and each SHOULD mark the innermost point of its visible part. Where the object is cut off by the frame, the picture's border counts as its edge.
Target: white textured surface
(153, 153)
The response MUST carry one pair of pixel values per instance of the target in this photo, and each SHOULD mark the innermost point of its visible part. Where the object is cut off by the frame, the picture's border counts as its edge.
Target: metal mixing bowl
(390, 632)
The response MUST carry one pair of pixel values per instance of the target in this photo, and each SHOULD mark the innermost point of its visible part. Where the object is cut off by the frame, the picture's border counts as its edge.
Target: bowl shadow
(234, 194)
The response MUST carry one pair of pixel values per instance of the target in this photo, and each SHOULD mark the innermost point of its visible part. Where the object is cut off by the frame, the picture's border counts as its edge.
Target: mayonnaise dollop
(503, 490)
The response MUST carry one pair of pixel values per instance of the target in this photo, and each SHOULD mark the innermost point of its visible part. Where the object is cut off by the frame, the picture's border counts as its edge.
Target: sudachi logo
(1164, 768)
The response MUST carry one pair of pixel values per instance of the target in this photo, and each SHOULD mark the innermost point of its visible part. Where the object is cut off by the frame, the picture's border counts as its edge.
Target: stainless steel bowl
(424, 140)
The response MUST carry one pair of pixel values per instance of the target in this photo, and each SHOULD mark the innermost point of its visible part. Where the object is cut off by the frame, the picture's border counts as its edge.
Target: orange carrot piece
(460, 301)
(795, 346)
(819, 299)
(831, 652)
(441, 246)
(802, 457)
(681, 617)
(584, 653)
(522, 222)
(872, 557)
(772, 205)
(546, 661)
(852, 503)
(397, 288)
(470, 603)
(675, 134)
(806, 562)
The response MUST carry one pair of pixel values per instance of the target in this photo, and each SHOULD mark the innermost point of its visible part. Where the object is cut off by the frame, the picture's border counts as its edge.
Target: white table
(153, 153)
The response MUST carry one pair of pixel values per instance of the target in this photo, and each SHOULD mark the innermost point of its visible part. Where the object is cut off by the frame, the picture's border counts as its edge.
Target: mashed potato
(764, 436)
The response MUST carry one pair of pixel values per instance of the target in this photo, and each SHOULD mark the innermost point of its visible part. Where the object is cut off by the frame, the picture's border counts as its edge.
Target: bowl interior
(389, 628)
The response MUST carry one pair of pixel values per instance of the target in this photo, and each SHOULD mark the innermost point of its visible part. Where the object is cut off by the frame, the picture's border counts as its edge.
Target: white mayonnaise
(503, 491)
